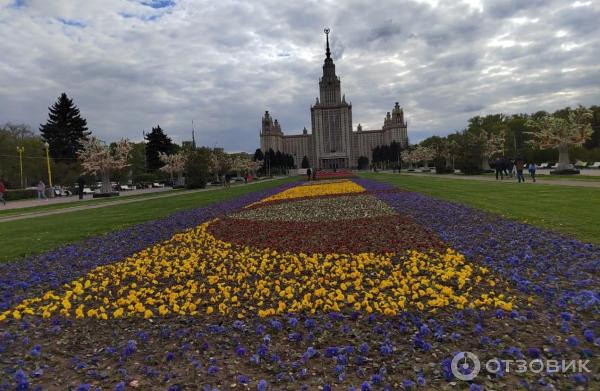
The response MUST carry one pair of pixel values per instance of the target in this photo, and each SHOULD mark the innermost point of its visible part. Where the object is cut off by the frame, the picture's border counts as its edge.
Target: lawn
(34, 235)
(569, 210)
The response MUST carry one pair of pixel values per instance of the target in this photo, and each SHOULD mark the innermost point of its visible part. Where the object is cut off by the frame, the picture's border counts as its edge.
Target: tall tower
(331, 119)
(271, 136)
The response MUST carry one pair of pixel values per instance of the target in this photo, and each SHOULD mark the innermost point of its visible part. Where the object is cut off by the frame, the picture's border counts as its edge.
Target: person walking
(532, 167)
(499, 167)
(2, 191)
(80, 185)
(520, 165)
(41, 190)
(308, 173)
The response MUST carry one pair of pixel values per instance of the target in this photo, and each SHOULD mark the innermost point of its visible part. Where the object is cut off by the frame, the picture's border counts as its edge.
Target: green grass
(46, 207)
(37, 234)
(567, 209)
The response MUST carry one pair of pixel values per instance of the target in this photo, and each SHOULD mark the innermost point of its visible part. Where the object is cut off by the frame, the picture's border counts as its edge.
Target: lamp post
(20, 150)
(47, 148)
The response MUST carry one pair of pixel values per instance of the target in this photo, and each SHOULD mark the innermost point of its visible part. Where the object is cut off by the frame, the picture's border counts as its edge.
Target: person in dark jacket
(499, 167)
(80, 186)
(308, 173)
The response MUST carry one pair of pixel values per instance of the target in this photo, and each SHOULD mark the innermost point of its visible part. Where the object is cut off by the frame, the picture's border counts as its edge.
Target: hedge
(19, 194)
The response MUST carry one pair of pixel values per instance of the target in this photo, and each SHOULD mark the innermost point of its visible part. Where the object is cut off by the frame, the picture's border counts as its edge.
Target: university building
(332, 142)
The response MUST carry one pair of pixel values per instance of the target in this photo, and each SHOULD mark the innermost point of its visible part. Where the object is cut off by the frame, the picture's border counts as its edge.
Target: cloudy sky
(132, 64)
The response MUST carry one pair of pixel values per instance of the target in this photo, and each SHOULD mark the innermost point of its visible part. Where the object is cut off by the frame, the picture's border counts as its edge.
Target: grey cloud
(223, 63)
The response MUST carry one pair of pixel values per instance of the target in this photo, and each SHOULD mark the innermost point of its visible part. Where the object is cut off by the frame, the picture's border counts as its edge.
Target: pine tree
(258, 155)
(64, 129)
(305, 162)
(157, 141)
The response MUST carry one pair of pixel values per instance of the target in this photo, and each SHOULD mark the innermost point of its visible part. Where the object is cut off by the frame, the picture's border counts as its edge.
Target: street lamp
(20, 150)
(47, 148)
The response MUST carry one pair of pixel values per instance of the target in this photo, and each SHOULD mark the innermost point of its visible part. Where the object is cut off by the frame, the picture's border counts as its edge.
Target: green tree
(197, 168)
(157, 141)
(363, 162)
(259, 156)
(305, 163)
(64, 129)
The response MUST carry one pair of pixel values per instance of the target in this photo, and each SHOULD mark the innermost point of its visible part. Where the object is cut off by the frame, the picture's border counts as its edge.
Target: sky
(132, 64)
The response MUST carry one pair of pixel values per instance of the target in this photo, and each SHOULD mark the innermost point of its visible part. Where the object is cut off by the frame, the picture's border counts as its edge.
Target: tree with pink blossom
(98, 158)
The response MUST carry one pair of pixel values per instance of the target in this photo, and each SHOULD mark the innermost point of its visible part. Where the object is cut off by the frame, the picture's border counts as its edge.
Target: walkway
(528, 181)
(118, 201)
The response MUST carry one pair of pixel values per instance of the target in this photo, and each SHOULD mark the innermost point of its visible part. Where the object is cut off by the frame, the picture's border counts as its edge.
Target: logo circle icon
(460, 366)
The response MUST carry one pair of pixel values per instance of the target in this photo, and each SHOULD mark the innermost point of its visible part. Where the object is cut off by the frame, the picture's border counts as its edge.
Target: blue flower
(262, 385)
(386, 348)
(310, 353)
(534, 352)
(295, 337)
(170, 356)
(588, 335)
(572, 341)
(213, 370)
(84, 387)
(580, 378)
(120, 386)
(475, 387)
(243, 379)
(326, 387)
(35, 351)
(366, 386)
(21, 380)
(364, 348)
(376, 378)
(240, 351)
(408, 384)
(331, 351)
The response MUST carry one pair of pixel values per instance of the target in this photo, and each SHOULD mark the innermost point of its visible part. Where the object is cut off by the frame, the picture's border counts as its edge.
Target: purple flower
(386, 348)
(408, 384)
(475, 387)
(364, 348)
(588, 335)
(365, 386)
(84, 387)
(213, 370)
(331, 351)
(533, 352)
(130, 348)
(421, 380)
(243, 379)
(120, 386)
(580, 378)
(262, 385)
(240, 351)
(170, 356)
(21, 380)
(572, 341)
(326, 387)
(376, 378)
(36, 351)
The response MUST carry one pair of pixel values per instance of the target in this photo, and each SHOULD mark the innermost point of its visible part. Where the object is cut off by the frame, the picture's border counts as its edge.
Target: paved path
(528, 181)
(28, 203)
(119, 201)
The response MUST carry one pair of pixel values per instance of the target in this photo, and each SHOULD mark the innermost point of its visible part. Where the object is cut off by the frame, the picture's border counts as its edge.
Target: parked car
(62, 192)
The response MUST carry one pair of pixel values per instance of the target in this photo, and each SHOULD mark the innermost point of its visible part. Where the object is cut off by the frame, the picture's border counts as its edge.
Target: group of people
(507, 167)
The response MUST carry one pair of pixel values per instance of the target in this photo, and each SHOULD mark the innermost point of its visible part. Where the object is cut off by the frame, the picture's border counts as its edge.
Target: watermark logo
(465, 366)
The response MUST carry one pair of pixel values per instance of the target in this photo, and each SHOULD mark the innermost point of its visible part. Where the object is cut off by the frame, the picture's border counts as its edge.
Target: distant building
(332, 142)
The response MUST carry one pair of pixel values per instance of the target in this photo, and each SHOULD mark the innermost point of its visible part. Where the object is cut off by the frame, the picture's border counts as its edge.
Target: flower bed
(322, 286)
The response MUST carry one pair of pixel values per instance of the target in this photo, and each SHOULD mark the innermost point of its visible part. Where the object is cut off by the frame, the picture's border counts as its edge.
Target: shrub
(20, 194)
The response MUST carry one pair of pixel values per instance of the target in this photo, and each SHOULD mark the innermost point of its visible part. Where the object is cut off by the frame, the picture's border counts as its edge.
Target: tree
(258, 155)
(196, 168)
(363, 162)
(173, 164)
(219, 163)
(157, 141)
(493, 144)
(97, 157)
(305, 163)
(65, 129)
(552, 131)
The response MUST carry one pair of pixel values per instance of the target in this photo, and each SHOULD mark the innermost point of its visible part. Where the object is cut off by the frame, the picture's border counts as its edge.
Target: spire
(327, 52)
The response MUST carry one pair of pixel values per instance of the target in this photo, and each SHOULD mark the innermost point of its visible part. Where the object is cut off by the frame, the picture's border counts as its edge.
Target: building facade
(332, 142)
